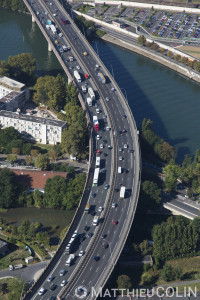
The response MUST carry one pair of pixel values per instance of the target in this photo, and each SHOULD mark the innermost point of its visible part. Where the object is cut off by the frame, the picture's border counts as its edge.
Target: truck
(96, 123)
(87, 208)
(96, 176)
(95, 221)
(89, 101)
(77, 76)
(91, 93)
(70, 260)
(101, 77)
(53, 28)
(97, 161)
(49, 22)
(15, 267)
(122, 191)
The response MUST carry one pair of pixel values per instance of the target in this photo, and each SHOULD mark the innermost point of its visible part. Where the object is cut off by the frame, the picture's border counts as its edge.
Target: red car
(98, 152)
(115, 222)
(86, 76)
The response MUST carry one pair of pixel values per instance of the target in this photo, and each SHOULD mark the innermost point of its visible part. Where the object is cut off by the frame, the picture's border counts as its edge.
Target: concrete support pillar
(33, 19)
(49, 47)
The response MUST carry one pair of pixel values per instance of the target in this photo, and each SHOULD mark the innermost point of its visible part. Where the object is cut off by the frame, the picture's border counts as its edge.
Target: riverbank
(162, 60)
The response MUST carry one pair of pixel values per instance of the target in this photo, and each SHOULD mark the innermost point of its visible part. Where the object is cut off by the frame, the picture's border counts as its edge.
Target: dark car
(103, 236)
(105, 246)
(96, 258)
(92, 195)
(53, 287)
(93, 213)
(131, 151)
(86, 228)
(123, 131)
(90, 234)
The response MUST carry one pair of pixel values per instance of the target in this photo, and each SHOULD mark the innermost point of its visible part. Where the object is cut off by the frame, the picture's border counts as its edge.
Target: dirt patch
(191, 50)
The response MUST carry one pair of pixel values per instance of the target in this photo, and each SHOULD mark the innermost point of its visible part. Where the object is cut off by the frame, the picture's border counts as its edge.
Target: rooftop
(29, 118)
(35, 179)
(11, 84)
(9, 96)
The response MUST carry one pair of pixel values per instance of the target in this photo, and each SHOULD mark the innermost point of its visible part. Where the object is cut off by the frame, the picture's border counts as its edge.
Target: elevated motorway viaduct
(116, 115)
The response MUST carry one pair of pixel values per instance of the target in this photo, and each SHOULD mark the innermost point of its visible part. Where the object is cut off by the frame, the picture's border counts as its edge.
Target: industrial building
(13, 94)
(44, 131)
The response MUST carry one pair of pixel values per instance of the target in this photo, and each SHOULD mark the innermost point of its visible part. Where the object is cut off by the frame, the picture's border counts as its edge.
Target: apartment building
(13, 94)
(42, 130)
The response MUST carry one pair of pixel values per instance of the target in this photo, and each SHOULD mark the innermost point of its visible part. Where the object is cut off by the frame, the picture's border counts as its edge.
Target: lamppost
(125, 94)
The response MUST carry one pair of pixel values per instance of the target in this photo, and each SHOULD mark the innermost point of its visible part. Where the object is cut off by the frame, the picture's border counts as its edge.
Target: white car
(63, 283)
(50, 3)
(107, 99)
(41, 291)
(100, 209)
(114, 205)
(54, 15)
(81, 253)
(125, 146)
(120, 158)
(107, 128)
(101, 146)
(98, 137)
(97, 111)
(38, 13)
(78, 67)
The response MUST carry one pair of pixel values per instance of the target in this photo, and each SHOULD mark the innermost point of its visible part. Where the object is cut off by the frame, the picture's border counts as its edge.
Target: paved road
(28, 273)
(91, 271)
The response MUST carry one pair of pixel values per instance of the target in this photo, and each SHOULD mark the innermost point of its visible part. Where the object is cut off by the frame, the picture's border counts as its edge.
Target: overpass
(119, 146)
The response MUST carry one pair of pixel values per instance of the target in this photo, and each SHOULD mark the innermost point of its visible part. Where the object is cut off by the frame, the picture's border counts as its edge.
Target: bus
(96, 176)
(97, 161)
(122, 192)
(101, 77)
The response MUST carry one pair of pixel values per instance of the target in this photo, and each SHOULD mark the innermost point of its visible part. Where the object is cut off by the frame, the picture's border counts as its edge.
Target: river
(170, 100)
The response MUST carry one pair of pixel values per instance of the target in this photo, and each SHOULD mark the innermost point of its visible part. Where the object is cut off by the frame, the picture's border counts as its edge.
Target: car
(54, 15)
(70, 67)
(63, 283)
(103, 171)
(90, 234)
(98, 137)
(78, 67)
(50, 278)
(120, 149)
(115, 222)
(81, 253)
(125, 146)
(56, 42)
(107, 128)
(86, 76)
(106, 186)
(85, 53)
(50, 3)
(98, 152)
(109, 147)
(38, 13)
(122, 131)
(107, 99)
(96, 105)
(97, 66)
(86, 228)
(53, 287)
(105, 154)
(92, 194)
(101, 146)
(112, 89)
(131, 151)
(93, 213)
(97, 110)
(114, 205)
(41, 291)
(46, 12)
(100, 209)
(103, 236)
(96, 258)
(105, 246)
(62, 272)
(104, 116)
(82, 238)
(120, 158)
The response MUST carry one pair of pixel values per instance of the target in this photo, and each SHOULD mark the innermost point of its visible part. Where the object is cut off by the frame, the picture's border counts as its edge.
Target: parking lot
(165, 24)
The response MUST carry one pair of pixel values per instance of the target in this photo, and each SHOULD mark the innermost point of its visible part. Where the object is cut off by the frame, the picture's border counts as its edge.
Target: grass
(84, 8)
(43, 148)
(10, 292)
(17, 256)
(191, 50)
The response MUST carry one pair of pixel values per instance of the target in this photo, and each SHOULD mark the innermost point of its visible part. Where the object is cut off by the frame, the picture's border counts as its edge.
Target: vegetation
(16, 5)
(88, 27)
(176, 238)
(150, 196)
(20, 67)
(11, 288)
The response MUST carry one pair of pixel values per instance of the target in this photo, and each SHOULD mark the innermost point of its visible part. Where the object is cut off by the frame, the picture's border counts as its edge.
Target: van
(119, 170)
(95, 221)
(87, 208)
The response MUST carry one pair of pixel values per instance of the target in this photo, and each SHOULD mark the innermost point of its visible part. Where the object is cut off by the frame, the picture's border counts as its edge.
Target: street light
(125, 93)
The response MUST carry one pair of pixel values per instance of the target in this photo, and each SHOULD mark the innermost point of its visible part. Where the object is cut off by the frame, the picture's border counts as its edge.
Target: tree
(74, 191)
(28, 159)
(168, 273)
(54, 192)
(150, 195)
(177, 57)
(52, 155)
(171, 172)
(155, 47)
(169, 53)
(42, 161)
(165, 151)
(162, 50)
(16, 151)
(147, 278)
(141, 40)
(11, 158)
(124, 282)
(72, 94)
(197, 66)
(38, 198)
(4, 69)
(34, 152)
(50, 91)
(183, 60)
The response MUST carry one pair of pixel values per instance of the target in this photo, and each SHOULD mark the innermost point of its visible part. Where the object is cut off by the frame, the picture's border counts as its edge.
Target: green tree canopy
(54, 192)
(42, 161)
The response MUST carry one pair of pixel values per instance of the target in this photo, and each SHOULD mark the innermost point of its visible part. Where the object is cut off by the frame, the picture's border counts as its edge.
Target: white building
(13, 94)
(44, 131)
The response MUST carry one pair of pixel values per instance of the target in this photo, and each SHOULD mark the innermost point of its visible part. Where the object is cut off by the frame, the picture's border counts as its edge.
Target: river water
(153, 91)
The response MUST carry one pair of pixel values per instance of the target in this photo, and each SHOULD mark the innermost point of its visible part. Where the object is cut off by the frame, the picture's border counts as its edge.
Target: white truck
(91, 93)
(89, 101)
(95, 221)
(70, 260)
(98, 160)
(15, 267)
(53, 28)
(77, 76)
(122, 192)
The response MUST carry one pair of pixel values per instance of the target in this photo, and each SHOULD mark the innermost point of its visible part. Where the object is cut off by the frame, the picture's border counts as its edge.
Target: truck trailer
(89, 101)
(122, 191)
(77, 76)
(53, 28)
(91, 93)
(96, 123)
(70, 260)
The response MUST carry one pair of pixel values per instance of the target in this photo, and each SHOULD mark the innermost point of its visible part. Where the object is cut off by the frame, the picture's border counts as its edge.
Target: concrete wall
(145, 5)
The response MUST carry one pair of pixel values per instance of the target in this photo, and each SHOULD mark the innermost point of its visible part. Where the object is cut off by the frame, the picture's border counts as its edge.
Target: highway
(115, 115)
